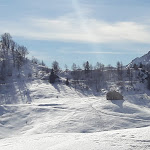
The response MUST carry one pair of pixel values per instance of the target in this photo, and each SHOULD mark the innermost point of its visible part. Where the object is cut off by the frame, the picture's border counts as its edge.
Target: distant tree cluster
(98, 75)
(88, 75)
(12, 55)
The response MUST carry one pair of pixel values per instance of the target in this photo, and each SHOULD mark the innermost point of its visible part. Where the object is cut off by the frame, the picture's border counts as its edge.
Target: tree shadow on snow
(55, 85)
(118, 102)
(24, 92)
(20, 88)
(49, 105)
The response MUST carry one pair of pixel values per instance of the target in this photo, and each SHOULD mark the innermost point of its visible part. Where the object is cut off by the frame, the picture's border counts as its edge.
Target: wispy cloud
(72, 29)
(97, 52)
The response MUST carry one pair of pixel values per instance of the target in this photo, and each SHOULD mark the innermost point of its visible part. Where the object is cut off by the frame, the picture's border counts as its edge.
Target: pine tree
(141, 65)
(52, 77)
(86, 67)
(67, 81)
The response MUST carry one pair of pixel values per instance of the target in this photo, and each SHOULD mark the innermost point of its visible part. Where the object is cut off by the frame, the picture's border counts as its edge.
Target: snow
(73, 115)
(76, 123)
(138, 139)
(54, 117)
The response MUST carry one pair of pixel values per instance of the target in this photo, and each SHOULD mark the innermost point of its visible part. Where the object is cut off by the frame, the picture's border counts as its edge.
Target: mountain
(145, 60)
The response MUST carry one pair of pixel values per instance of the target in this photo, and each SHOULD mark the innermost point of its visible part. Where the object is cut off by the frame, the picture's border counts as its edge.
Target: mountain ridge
(145, 60)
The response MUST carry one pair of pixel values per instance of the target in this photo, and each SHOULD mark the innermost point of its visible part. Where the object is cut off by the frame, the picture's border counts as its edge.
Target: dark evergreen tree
(141, 65)
(52, 77)
(67, 81)
(135, 67)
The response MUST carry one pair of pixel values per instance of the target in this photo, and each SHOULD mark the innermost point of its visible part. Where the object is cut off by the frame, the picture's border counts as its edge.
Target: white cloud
(79, 30)
(96, 52)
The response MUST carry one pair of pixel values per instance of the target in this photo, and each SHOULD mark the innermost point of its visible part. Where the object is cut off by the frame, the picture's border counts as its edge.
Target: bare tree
(99, 66)
(74, 67)
(55, 66)
(86, 67)
(76, 73)
(23, 51)
(6, 41)
(13, 47)
(66, 68)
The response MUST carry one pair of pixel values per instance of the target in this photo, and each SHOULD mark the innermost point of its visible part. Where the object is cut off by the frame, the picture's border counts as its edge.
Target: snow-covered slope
(45, 116)
(128, 139)
(74, 115)
(27, 85)
(145, 60)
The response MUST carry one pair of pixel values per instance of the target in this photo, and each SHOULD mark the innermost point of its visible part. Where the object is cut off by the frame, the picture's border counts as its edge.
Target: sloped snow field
(59, 117)
(127, 139)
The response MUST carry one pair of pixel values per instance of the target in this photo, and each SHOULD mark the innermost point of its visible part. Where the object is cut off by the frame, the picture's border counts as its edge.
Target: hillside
(145, 60)
(27, 85)
(63, 122)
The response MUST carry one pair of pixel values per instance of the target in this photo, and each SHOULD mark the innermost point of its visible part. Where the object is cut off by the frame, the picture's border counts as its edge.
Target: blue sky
(70, 31)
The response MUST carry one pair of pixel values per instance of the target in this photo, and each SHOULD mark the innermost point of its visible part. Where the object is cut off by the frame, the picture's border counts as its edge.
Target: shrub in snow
(113, 95)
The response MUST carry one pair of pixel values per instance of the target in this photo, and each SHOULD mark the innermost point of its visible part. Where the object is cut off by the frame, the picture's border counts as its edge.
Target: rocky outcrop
(113, 95)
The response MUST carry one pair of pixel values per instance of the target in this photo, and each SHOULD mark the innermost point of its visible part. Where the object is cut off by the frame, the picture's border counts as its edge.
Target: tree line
(99, 74)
